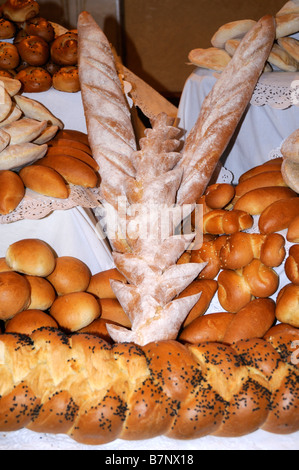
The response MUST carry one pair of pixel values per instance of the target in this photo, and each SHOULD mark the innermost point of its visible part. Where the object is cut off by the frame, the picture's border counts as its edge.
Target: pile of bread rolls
(37, 153)
(36, 51)
(284, 55)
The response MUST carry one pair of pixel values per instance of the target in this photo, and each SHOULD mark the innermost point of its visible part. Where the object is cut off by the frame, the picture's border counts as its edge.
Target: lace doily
(35, 206)
(277, 92)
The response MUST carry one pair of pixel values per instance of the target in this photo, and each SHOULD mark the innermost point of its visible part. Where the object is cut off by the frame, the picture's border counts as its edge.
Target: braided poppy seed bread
(95, 392)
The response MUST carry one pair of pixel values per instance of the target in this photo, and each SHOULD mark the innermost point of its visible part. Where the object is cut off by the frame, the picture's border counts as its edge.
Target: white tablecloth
(262, 129)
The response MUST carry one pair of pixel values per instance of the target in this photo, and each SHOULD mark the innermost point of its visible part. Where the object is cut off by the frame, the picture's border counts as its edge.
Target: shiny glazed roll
(9, 56)
(64, 50)
(7, 29)
(20, 10)
(34, 79)
(67, 79)
(34, 50)
(40, 27)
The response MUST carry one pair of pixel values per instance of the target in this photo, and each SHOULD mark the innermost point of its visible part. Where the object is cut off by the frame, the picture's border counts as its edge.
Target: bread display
(226, 40)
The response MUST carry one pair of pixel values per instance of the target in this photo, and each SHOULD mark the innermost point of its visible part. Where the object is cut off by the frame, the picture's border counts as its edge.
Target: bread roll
(209, 253)
(83, 156)
(270, 165)
(72, 143)
(70, 134)
(278, 215)
(287, 305)
(207, 288)
(291, 46)
(28, 321)
(287, 24)
(261, 180)
(282, 59)
(72, 170)
(9, 56)
(4, 266)
(20, 11)
(232, 30)
(75, 311)
(112, 311)
(32, 257)
(70, 275)
(34, 50)
(283, 338)
(221, 221)
(7, 29)
(36, 110)
(291, 265)
(44, 180)
(14, 294)
(19, 155)
(100, 285)
(290, 173)
(210, 58)
(256, 200)
(293, 231)
(40, 27)
(25, 130)
(207, 328)
(67, 79)
(34, 79)
(42, 293)
(12, 191)
(98, 328)
(64, 49)
(219, 195)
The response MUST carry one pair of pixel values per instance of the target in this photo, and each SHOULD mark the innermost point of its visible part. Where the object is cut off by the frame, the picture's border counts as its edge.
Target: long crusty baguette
(96, 392)
(223, 109)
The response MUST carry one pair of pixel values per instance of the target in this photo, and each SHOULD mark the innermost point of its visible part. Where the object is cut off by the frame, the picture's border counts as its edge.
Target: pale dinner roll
(28, 321)
(75, 311)
(14, 294)
(287, 24)
(42, 293)
(32, 257)
(44, 180)
(290, 174)
(231, 46)
(282, 59)
(100, 283)
(70, 275)
(232, 30)
(291, 46)
(112, 310)
(287, 305)
(290, 147)
(291, 6)
(210, 58)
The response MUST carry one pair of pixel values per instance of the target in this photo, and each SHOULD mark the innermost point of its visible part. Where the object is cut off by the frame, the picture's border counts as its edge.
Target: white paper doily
(277, 89)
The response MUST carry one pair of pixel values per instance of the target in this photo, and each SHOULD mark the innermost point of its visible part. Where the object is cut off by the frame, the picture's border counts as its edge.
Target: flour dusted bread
(221, 112)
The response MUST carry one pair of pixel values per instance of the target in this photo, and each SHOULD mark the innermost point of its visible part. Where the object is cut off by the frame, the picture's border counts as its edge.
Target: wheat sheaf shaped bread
(95, 392)
(223, 109)
(108, 118)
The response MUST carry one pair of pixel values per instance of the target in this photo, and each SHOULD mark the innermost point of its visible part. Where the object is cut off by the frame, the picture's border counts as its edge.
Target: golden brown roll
(7, 29)
(28, 321)
(7, 73)
(42, 293)
(221, 221)
(219, 195)
(283, 338)
(98, 328)
(44, 180)
(100, 286)
(293, 230)
(75, 311)
(287, 305)
(207, 328)
(64, 49)
(14, 294)
(256, 200)
(270, 165)
(207, 288)
(71, 134)
(112, 310)
(209, 253)
(20, 10)
(34, 50)
(70, 275)
(72, 170)
(72, 151)
(4, 266)
(12, 191)
(278, 215)
(32, 257)
(9, 56)
(67, 79)
(71, 143)
(34, 79)
(40, 27)
(260, 180)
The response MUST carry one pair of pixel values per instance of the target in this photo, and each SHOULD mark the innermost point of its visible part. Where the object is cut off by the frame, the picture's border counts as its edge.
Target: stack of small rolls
(42, 53)
(284, 54)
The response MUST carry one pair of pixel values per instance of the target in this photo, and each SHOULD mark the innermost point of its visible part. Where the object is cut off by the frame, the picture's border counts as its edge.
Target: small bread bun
(32, 257)
(278, 215)
(287, 305)
(64, 49)
(113, 311)
(44, 180)
(34, 50)
(219, 195)
(100, 286)
(4, 266)
(207, 288)
(293, 231)
(71, 134)
(67, 79)
(40, 27)
(9, 56)
(70, 275)
(28, 321)
(75, 311)
(12, 191)
(98, 328)
(14, 294)
(7, 29)
(34, 79)
(291, 265)
(42, 293)
(20, 10)
(7, 73)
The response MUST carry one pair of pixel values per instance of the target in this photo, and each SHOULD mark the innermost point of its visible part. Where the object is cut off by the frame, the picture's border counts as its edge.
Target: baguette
(223, 109)
(206, 389)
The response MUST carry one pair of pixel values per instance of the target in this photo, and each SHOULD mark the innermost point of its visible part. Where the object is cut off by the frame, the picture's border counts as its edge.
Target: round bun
(287, 305)
(34, 79)
(64, 49)
(67, 79)
(34, 50)
(9, 56)
(32, 257)
(42, 293)
(219, 195)
(4, 266)
(7, 29)
(28, 321)
(40, 27)
(20, 10)
(70, 275)
(100, 286)
(14, 294)
(75, 311)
